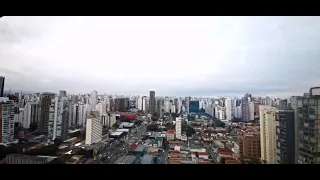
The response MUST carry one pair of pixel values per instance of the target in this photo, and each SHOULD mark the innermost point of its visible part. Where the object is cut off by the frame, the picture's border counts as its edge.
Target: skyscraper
(1, 86)
(286, 136)
(229, 108)
(268, 134)
(308, 127)
(6, 120)
(93, 100)
(178, 127)
(194, 106)
(245, 109)
(152, 102)
(93, 131)
(45, 103)
(59, 118)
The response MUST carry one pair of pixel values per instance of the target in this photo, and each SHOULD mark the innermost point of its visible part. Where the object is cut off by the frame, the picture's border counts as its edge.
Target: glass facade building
(194, 106)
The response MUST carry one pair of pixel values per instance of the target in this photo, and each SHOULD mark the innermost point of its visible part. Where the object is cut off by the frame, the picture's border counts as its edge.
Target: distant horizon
(274, 56)
(6, 91)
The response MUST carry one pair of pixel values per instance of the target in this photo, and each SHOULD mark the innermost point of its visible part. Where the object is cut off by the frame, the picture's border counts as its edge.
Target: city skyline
(193, 56)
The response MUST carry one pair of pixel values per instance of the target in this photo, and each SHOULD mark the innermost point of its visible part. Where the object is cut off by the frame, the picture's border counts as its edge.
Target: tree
(219, 123)
(125, 119)
(138, 122)
(33, 126)
(168, 125)
(57, 141)
(222, 160)
(152, 127)
(4, 151)
(184, 126)
(190, 131)
(255, 161)
(49, 150)
(197, 154)
(115, 125)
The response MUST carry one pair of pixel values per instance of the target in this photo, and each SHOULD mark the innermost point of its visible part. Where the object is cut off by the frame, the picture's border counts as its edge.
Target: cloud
(197, 56)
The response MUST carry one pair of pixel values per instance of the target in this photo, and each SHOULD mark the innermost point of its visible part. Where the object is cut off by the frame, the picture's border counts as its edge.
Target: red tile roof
(170, 131)
(133, 147)
(201, 153)
(232, 161)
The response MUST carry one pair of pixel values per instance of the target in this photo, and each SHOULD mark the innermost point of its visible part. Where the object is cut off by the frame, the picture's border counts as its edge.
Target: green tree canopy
(125, 119)
(138, 122)
(152, 127)
(116, 125)
(57, 141)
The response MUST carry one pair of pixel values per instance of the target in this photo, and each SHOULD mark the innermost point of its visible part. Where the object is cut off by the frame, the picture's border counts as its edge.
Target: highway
(117, 148)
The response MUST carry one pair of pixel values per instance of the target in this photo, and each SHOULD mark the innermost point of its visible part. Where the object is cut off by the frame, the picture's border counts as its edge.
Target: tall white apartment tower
(268, 134)
(229, 109)
(93, 131)
(93, 100)
(178, 127)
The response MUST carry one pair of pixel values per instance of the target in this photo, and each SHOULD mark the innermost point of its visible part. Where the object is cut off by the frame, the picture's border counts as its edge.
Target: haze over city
(187, 56)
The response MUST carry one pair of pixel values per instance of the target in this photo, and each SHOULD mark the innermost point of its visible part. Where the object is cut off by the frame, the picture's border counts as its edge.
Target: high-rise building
(35, 112)
(59, 118)
(251, 111)
(245, 109)
(6, 120)
(286, 136)
(238, 112)
(94, 99)
(160, 107)
(294, 106)
(70, 109)
(308, 111)
(268, 135)
(105, 119)
(230, 108)
(178, 127)
(1, 86)
(83, 113)
(112, 119)
(142, 103)
(152, 102)
(249, 142)
(63, 93)
(283, 104)
(26, 115)
(93, 131)
(194, 106)
(45, 103)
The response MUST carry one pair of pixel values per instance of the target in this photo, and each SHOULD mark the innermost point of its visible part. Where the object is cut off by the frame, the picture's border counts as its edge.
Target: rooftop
(147, 159)
(232, 161)
(117, 133)
(127, 159)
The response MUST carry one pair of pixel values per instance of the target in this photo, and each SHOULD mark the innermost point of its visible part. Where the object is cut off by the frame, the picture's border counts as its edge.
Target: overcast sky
(187, 56)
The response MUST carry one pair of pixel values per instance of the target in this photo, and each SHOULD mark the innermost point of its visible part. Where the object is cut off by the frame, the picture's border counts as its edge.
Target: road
(117, 149)
(123, 147)
(109, 154)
